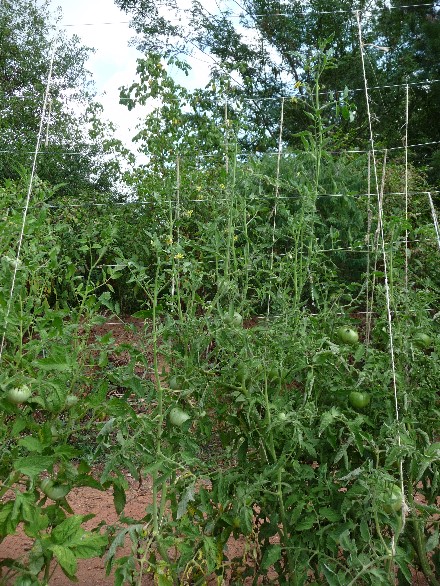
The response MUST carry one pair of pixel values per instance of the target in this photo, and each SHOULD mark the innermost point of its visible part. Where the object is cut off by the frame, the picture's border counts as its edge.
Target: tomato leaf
(8, 523)
(32, 466)
(271, 555)
(187, 497)
(329, 514)
(32, 444)
(66, 558)
(119, 497)
(91, 545)
(305, 523)
(66, 532)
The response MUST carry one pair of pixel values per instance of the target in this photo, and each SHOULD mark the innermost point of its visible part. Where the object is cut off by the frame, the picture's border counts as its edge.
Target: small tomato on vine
(348, 335)
(358, 400)
(19, 395)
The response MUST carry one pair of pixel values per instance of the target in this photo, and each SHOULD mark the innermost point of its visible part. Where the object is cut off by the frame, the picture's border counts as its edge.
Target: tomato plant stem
(419, 542)
(158, 509)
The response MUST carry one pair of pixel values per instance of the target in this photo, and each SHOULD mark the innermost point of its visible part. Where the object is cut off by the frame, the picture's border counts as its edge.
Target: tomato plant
(433, 451)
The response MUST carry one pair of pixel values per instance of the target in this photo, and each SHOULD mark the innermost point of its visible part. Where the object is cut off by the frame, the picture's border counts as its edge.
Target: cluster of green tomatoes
(349, 336)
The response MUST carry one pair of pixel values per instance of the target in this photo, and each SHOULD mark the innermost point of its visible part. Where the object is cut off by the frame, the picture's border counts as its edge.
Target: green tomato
(348, 336)
(393, 499)
(422, 341)
(19, 395)
(178, 416)
(236, 523)
(54, 490)
(235, 320)
(358, 400)
(71, 400)
(55, 432)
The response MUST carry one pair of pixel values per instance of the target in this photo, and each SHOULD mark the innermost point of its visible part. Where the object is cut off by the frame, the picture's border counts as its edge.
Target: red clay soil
(85, 501)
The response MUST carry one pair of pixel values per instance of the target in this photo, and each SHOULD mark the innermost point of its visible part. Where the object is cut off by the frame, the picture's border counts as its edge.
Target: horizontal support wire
(270, 14)
(121, 266)
(211, 200)
(300, 97)
(221, 155)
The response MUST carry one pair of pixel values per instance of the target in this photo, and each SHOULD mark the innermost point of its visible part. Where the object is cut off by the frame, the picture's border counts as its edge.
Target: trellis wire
(370, 301)
(27, 202)
(277, 192)
(368, 239)
(406, 186)
(300, 97)
(384, 258)
(177, 216)
(273, 14)
(283, 254)
(434, 218)
(226, 138)
(46, 142)
(240, 154)
(146, 202)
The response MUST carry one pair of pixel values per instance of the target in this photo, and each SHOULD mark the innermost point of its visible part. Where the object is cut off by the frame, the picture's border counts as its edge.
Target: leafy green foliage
(235, 399)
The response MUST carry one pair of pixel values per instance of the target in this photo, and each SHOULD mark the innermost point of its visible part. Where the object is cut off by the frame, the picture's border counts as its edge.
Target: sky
(114, 62)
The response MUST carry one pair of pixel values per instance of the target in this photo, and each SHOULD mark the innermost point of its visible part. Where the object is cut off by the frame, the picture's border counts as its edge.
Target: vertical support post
(406, 186)
(226, 137)
(434, 218)
(277, 194)
(28, 199)
(384, 259)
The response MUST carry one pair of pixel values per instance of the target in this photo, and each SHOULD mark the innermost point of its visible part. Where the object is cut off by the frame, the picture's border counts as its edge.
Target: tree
(263, 55)
(77, 147)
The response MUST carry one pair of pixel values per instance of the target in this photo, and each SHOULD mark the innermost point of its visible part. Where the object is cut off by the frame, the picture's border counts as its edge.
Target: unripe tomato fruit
(422, 341)
(234, 320)
(178, 416)
(52, 490)
(71, 400)
(19, 395)
(236, 522)
(393, 499)
(348, 335)
(358, 400)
